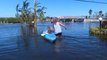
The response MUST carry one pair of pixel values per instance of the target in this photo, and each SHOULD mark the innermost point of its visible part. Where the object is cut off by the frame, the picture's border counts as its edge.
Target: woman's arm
(61, 24)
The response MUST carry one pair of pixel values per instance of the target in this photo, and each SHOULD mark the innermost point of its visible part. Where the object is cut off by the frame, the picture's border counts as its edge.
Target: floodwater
(21, 43)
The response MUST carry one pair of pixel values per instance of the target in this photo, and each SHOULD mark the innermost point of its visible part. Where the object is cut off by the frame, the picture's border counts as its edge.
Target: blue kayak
(51, 37)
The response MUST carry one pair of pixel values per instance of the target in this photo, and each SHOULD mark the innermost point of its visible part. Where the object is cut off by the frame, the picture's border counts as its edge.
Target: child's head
(50, 29)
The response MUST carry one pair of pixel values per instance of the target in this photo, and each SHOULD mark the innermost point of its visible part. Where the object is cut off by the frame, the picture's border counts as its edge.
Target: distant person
(57, 27)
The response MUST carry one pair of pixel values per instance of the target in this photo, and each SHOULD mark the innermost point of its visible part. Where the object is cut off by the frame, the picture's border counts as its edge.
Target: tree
(100, 13)
(40, 13)
(24, 12)
(17, 7)
(90, 13)
(27, 15)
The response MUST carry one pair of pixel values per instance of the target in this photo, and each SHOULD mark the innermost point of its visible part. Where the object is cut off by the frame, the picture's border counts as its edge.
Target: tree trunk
(35, 18)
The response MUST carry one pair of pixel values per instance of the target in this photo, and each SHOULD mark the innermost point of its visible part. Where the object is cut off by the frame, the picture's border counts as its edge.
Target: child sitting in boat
(48, 31)
(49, 34)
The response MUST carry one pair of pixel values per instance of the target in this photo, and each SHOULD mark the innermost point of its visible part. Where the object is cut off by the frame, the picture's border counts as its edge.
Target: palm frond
(17, 7)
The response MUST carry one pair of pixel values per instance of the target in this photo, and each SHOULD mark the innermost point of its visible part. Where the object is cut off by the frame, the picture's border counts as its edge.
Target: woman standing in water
(57, 28)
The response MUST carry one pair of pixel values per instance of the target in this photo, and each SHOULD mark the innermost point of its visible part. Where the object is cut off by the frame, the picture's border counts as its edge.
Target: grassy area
(9, 20)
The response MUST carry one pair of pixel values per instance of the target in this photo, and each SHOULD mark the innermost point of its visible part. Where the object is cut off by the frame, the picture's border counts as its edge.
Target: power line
(92, 1)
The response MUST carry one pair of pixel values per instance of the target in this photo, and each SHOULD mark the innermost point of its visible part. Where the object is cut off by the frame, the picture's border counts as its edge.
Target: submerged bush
(99, 32)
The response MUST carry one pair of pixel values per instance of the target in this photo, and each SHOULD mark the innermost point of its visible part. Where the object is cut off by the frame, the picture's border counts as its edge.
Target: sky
(55, 7)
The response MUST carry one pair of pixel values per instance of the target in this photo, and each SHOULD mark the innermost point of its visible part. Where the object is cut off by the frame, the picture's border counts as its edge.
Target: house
(71, 18)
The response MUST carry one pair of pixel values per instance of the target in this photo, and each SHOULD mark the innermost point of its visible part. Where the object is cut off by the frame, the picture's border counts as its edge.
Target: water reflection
(57, 45)
(101, 37)
(28, 33)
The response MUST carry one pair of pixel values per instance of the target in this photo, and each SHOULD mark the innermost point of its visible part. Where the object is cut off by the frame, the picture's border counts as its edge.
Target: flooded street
(17, 43)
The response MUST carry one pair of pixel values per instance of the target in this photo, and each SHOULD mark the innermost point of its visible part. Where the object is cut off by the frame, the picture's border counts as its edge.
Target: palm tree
(27, 15)
(17, 7)
(17, 14)
(100, 13)
(90, 13)
(24, 11)
(40, 13)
